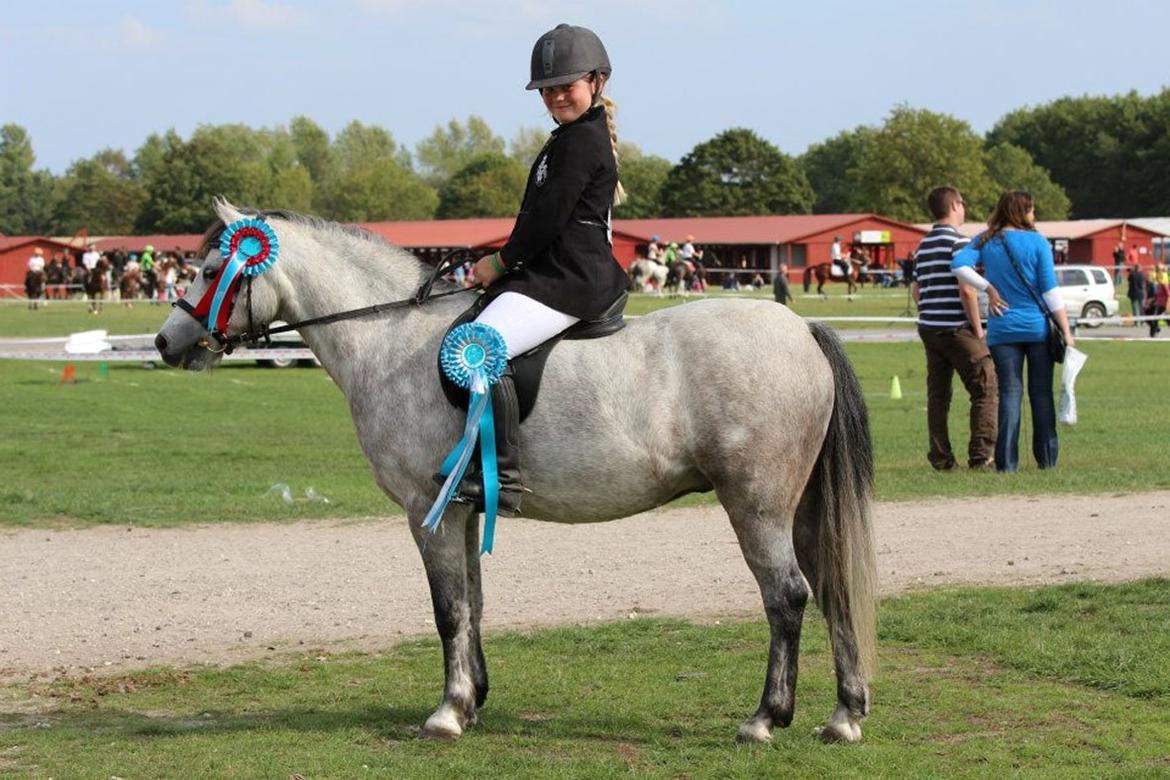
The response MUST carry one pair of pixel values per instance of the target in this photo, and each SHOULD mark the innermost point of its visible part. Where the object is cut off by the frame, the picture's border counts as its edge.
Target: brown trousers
(950, 350)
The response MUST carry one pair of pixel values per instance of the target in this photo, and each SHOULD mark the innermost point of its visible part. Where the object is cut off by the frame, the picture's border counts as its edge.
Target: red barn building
(762, 243)
(14, 254)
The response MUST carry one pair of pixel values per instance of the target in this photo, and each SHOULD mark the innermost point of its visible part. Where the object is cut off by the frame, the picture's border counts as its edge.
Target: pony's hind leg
(766, 542)
(444, 555)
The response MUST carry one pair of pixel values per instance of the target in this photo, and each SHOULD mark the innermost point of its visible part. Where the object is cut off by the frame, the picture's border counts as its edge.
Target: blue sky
(84, 76)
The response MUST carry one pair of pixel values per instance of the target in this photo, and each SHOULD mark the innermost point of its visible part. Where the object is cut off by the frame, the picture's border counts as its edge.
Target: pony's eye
(210, 273)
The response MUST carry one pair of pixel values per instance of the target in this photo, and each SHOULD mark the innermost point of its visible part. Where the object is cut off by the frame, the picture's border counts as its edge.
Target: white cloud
(136, 34)
(263, 14)
(249, 14)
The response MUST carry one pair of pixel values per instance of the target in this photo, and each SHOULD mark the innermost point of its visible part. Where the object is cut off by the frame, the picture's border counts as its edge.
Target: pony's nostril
(160, 343)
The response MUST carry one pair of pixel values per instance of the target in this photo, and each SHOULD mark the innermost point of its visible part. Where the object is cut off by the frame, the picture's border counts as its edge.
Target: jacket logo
(542, 171)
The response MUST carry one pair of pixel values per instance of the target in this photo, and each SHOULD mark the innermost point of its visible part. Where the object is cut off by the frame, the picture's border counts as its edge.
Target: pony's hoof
(753, 732)
(442, 726)
(832, 732)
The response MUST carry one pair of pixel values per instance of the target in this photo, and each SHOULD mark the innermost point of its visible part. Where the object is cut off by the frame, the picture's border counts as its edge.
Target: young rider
(558, 266)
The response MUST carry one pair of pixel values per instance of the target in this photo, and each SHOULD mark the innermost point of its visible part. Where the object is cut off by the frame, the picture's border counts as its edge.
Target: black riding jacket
(559, 252)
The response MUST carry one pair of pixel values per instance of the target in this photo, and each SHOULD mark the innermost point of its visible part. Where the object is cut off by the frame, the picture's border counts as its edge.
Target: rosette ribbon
(474, 357)
(249, 248)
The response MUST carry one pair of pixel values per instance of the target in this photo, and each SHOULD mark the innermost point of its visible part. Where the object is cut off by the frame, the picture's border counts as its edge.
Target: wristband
(497, 264)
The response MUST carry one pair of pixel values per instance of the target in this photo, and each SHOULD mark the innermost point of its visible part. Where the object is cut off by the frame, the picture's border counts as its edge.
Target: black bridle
(253, 335)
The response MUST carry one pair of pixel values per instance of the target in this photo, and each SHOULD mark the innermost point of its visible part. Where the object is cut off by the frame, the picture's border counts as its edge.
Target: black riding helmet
(566, 53)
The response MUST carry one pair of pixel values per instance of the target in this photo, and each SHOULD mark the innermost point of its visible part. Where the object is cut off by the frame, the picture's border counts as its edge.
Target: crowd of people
(158, 277)
(1148, 294)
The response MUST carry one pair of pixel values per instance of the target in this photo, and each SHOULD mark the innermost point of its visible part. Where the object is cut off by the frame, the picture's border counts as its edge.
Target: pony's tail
(807, 277)
(837, 501)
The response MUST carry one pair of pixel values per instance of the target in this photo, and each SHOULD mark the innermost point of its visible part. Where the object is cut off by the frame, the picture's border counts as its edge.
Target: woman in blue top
(1017, 328)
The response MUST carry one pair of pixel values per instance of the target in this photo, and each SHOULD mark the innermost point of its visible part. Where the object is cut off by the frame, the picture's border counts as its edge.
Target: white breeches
(523, 322)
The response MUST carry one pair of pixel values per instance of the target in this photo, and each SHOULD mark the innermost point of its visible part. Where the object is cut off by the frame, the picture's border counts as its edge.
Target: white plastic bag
(1074, 361)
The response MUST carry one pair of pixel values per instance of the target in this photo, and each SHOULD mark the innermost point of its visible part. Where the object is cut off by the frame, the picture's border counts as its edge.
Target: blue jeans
(1009, 366)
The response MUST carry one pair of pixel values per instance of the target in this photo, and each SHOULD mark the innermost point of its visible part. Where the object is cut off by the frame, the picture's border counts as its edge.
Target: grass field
(1061, 682)
(160, 447)
(61, 319)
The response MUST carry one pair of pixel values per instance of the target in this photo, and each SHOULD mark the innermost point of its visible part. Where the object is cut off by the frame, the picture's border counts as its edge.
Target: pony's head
(227, 297)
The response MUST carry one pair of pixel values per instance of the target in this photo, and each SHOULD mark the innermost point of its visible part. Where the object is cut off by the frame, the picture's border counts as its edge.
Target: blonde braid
(619, 192)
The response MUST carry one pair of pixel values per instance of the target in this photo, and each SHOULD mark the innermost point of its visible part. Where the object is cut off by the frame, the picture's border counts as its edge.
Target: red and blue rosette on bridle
(249, 247)
(474, 357)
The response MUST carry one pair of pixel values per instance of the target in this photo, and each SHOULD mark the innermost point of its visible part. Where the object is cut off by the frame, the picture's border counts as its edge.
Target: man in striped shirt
(952, 334)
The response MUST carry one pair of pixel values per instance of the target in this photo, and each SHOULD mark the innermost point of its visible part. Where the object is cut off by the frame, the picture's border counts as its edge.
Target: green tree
(491, 185)
(915, 151)
(832, 168)
(1011, 168)
(736, 173)
(100, 194)
(312, 147)
(448, 150)
(526, 144)
(26, 196)
(1101, 150)
(642, 176)
(256, 168)
(370, 179)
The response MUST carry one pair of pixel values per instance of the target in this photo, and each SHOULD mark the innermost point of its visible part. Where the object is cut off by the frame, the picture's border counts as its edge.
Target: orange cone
(69, 374)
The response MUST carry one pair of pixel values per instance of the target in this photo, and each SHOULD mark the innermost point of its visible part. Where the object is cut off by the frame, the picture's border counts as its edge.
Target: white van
(1088, 293)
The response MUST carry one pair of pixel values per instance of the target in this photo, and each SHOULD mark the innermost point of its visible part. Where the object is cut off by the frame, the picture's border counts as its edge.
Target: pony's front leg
(457, 601)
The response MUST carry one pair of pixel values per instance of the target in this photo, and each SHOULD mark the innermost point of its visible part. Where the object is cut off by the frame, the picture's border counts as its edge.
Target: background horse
(824, 273)
(796, 482)
(647, 276)
(129, 286)
(97, 285)
(34, 288)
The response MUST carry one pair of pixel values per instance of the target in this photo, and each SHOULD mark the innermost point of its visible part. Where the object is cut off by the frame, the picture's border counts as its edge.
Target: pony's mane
(212, 235)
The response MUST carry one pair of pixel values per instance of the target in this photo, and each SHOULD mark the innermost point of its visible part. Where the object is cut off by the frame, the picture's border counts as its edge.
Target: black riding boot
(506, 408)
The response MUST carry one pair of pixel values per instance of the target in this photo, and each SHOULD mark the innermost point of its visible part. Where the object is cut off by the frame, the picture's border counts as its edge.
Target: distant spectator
(1156, 303)
(1118, 262)
(1135, 256)
(780, 285)
(1136, 292)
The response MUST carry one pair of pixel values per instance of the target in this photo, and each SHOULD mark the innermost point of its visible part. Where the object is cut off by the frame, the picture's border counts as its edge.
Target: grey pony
(742, 397)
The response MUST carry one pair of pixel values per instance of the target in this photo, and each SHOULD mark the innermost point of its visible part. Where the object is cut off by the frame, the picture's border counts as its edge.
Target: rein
(253, 335)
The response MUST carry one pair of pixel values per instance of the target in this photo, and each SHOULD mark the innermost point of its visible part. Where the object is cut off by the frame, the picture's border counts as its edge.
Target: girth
(527, 369)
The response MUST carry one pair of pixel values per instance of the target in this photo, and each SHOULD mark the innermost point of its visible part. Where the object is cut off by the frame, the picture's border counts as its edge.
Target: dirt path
(121, 598)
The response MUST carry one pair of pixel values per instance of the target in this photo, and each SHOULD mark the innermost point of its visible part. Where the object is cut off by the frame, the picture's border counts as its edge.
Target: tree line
(1080, 157)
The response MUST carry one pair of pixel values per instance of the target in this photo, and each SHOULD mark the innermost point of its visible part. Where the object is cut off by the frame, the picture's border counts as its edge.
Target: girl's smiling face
(568, 102)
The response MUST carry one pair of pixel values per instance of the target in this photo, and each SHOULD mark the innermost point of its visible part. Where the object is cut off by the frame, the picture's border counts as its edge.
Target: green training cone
(895, 389)
(103, 370)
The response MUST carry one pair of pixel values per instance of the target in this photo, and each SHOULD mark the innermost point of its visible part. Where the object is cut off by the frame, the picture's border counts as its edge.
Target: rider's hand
(485, 271)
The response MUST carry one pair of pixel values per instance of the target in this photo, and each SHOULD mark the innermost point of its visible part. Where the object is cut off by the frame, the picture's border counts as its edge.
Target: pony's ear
(225, 211)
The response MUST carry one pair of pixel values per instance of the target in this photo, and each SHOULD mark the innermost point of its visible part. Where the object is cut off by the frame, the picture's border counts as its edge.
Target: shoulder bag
(1055, 339)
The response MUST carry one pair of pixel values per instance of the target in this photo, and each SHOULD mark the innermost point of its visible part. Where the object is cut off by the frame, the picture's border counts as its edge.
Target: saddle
(527, 369)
